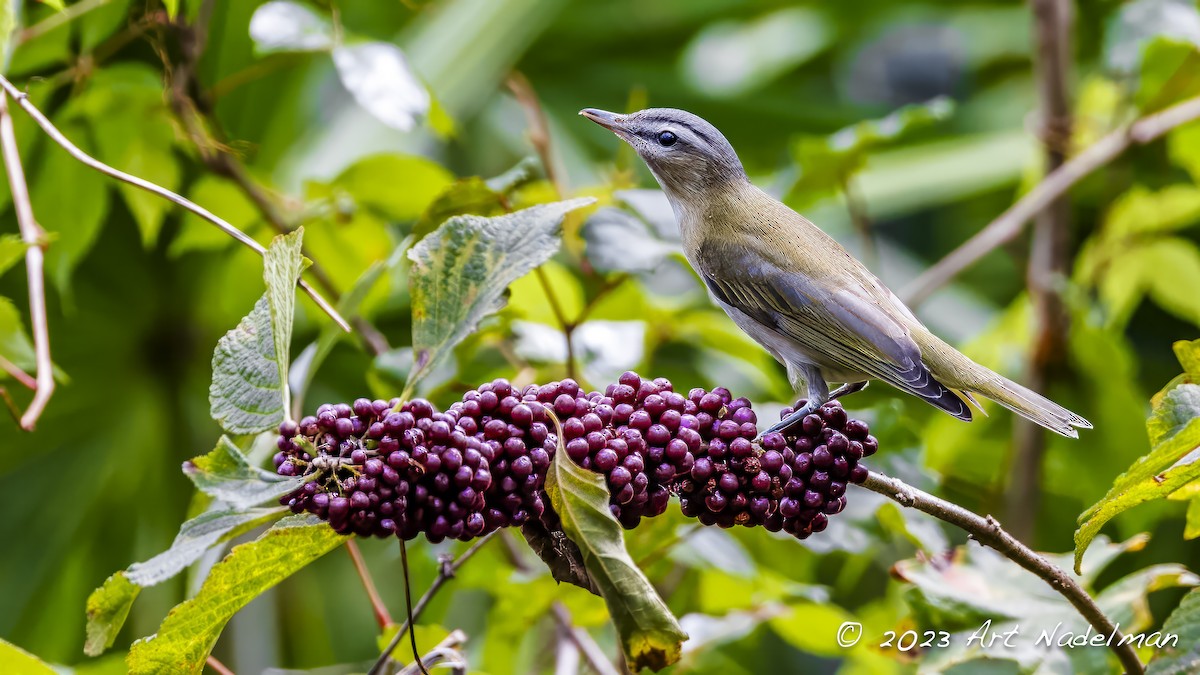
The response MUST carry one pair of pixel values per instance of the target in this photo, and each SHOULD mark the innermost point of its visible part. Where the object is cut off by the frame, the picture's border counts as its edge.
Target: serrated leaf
(197, 536)
(12, 249)
(282, 26)
(1171, 465)
(378, 77)
(246, 395)
(107, 609)
(17, 661)
(282, 266)
(460, 271)
(1183, 657)
(190, 630)
(225, 474)
(649, 634)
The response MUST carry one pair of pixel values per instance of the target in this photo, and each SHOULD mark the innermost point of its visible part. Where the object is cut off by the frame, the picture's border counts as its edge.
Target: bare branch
(444, 574)
(216, 665)
(1009, 224)
(195, 208)
(987, 531)
(447, 652)
(35, 256)
(17, 374)
(591, 651)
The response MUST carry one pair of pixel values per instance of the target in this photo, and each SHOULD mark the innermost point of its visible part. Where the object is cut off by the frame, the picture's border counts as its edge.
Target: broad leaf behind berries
(225, 474)
(190, 630)
(649, 633)
(461, 270)
(195, 537)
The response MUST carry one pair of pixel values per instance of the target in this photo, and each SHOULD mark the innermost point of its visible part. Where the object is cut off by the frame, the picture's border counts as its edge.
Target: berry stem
(360, 566)
(987, 531)
(449, 568)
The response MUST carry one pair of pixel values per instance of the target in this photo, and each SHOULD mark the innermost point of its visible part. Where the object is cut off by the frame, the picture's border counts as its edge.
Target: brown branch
(583, 641)
(1048, 260)
(360, 567)
(539, 129)
(1009, 224)
(57, 136)
(987, 531)
(446, 573)
(216, 665)
(35, 256)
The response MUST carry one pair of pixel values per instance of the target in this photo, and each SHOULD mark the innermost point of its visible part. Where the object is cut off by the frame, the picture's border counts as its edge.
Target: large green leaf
(17, 661)
(1184, 656)
(190, 630)
(225, 474)
(460, 271)
(246, 395)
(649, 633)
(372, 182)
(197, 536)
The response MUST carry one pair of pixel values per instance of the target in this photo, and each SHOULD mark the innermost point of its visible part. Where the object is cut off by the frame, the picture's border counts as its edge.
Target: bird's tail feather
(1028, 403)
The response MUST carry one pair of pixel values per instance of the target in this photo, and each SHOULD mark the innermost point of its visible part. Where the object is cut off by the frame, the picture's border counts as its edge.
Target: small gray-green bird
(796, 291)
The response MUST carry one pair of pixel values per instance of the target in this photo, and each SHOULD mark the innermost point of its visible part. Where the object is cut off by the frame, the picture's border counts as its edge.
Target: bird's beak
(611, 121)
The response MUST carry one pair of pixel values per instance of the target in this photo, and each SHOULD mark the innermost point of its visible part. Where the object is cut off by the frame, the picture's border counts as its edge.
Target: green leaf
(246, 395)
(14, 342)
(468, 196)
(76, 219)
(1184, 656)
(1188, 353)
(1170, 73)
(225, 474)
(282, 266)
(12, 249)
(195, 537)
(190, 630)
(1191, 528)
(107, 609)
(373, 181)
(827, 162)
(54, 4)
(1169, 466)
(649, 633)
(1183, 144)
(1173, 411)
(172, 7)
(222, 197)
(460, 271)
(8, 24)
(17, 661)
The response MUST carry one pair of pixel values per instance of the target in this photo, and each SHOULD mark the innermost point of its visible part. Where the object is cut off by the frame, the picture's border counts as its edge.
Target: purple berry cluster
(380, 468)
(789, 484)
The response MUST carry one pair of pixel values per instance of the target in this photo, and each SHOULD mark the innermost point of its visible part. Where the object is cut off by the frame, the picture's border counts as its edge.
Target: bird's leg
(818, 394)
(816, 401)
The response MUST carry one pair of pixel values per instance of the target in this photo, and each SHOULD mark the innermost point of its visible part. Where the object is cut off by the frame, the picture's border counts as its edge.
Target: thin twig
(35, 256)
(57, 19)
(1009, 224)
(412, 634)
(567, 327)
(204, 213)
(1049, 259)
(216, 665)
(17, 374)
(360, 566)
(539, 129)
(987, 531)
(591, 651)
(447, 571)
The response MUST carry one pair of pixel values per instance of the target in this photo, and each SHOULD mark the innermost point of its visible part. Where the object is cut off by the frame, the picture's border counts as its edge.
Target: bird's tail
(972, 378)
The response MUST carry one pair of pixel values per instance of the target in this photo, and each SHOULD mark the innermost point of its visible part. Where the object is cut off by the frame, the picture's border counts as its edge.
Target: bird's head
(687, 155)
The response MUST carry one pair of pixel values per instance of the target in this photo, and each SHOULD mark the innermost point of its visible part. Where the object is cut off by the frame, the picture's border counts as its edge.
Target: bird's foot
(794, 419)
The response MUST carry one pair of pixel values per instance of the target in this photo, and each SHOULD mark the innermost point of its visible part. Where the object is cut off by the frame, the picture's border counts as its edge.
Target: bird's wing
(843, 325)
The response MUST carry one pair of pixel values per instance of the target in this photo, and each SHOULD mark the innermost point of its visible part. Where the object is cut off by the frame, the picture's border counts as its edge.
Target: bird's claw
(792, 420)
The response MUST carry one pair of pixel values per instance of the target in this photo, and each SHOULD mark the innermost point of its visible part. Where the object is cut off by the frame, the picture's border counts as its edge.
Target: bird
(797, 292)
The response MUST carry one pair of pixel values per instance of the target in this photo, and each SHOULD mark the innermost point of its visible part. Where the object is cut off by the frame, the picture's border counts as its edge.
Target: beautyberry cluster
(379, 468)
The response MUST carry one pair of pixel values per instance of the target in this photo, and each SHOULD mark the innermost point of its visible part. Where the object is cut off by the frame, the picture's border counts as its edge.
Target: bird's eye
(667, 139)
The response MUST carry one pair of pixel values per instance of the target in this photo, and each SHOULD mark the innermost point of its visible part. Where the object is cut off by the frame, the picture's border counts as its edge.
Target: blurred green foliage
(140, 292)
